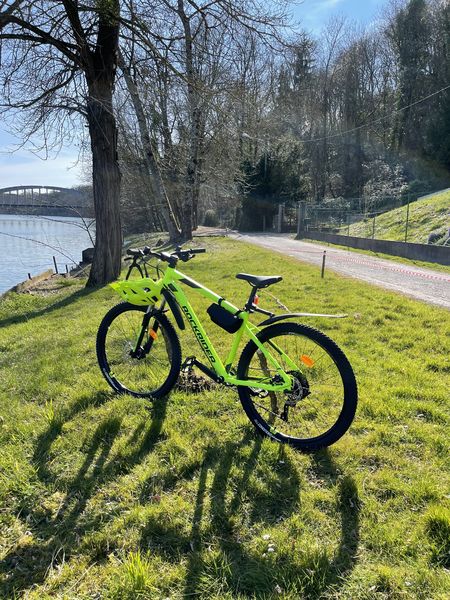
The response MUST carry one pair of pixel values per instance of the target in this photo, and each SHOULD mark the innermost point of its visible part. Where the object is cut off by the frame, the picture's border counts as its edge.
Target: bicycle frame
(171, 280)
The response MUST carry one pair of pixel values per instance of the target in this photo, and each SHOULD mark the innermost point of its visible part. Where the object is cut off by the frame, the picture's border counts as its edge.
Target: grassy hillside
(425, 216)
(106, 496)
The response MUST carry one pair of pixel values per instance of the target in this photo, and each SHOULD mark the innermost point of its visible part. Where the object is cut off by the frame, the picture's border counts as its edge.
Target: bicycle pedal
(188, 364)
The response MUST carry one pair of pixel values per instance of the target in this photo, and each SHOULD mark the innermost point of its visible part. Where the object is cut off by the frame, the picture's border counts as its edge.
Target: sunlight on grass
(107, 496)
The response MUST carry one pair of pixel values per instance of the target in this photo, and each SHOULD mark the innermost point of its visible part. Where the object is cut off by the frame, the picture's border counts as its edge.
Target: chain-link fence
(388, 218)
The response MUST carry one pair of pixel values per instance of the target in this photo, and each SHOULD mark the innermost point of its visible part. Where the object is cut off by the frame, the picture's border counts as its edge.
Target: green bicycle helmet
(141, 292)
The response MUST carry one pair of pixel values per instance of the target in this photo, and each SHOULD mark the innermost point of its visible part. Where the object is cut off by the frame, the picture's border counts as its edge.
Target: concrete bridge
(47, 200)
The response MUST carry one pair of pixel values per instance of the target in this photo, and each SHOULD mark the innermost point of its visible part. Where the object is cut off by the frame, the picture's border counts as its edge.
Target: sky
(314, 14)
(22, 167)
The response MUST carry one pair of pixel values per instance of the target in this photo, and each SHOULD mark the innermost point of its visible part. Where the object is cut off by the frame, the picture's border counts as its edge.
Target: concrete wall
(425, 252)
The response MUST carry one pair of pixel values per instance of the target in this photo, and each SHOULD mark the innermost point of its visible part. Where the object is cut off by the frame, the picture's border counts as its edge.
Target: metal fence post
(407, 221)
(280, 218)
(301, 215)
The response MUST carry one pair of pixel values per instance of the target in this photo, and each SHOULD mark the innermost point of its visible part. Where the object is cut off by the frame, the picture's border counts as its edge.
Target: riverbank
(29, 243)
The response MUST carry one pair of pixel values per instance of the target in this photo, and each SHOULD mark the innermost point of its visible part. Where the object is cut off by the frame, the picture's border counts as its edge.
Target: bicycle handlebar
(183, 254)
(196, 250)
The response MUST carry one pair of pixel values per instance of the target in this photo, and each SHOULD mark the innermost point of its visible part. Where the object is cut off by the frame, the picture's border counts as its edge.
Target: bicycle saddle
(259, 281)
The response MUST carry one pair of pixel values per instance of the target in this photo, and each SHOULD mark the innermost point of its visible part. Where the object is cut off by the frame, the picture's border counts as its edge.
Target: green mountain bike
(295, 384)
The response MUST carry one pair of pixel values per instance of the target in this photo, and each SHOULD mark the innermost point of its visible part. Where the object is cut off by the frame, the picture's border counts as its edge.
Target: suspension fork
(145, 327)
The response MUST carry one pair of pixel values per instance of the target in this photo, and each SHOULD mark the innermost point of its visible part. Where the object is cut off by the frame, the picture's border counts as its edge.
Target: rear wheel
(138, 353)
(321, 405)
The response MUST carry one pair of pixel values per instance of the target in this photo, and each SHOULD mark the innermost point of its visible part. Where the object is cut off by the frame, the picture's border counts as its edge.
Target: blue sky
(314, 14)
(24, 168)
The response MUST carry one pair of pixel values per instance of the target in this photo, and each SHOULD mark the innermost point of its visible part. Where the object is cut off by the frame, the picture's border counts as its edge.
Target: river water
(28, 243)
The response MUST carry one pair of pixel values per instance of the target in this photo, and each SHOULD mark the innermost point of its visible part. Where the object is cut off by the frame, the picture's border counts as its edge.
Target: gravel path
(419, 283)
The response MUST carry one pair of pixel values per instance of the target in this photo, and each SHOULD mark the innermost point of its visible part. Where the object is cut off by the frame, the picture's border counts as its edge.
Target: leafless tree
(152, 168)
(189, 47)
(59, 63)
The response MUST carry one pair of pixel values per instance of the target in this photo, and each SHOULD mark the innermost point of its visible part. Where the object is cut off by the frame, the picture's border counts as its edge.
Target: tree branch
(64, 47)
(47, 92)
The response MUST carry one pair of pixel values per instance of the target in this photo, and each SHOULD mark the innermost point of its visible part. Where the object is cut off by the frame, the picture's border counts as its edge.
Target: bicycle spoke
(140, 373)
(320, 408)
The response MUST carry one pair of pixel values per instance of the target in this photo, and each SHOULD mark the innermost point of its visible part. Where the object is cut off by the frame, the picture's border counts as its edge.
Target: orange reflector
(306, 360)
(256, 300)
(152, 334)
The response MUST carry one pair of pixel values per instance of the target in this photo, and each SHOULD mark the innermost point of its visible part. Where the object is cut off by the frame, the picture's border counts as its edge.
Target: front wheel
(321, 405)
(138, 352)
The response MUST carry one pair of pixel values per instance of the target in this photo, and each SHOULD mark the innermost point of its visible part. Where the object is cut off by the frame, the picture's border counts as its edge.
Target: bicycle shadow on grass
(349, 506)
(23, 317)
(54, 536)
(253, 572)
(237, 495)
(230, 566)
(235, 489)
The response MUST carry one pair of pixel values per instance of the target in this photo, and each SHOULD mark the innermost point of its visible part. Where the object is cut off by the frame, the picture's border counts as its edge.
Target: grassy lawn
(106, 496)
(425, 216)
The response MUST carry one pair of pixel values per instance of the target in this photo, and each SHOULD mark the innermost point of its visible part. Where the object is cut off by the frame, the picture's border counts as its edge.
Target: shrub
(210, 219)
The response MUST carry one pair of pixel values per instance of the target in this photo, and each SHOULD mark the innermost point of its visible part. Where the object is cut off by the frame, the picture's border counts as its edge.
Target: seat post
(251, 298)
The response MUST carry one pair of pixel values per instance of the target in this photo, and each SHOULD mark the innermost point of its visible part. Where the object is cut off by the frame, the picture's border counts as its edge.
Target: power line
(370, 123)
(394, 111)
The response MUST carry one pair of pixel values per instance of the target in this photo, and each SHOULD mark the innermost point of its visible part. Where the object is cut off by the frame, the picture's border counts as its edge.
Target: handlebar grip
(134, 252)
(197, 250)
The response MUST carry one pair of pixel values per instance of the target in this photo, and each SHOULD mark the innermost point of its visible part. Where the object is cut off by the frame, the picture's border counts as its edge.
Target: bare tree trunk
(70, 30)
(189, 209)
(106, 183)
(153, 171)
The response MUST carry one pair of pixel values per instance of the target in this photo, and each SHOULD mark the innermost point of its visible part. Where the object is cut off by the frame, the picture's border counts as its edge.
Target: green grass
(106, 496)
(425, 216)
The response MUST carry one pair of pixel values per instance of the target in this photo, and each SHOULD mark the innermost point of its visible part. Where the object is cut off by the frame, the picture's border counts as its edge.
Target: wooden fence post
(323, 263)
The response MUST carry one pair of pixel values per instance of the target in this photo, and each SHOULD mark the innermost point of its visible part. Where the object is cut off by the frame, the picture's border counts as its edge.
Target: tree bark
(189, 208)
(106, 263)
(100, 72)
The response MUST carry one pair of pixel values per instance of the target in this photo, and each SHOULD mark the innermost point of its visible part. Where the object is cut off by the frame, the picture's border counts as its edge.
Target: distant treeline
(345, 115)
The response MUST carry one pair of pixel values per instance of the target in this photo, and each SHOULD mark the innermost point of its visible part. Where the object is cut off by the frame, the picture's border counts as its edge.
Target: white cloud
(26, 169)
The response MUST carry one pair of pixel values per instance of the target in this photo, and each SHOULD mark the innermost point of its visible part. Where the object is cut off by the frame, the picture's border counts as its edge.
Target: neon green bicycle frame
(171, 280)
